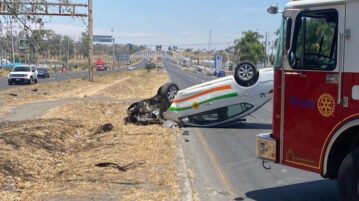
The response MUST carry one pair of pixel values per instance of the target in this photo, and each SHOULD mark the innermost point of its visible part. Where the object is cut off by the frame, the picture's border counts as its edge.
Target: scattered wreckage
(208, 104)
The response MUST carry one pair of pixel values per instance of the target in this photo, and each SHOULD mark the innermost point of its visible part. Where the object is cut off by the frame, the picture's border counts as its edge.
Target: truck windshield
(315, 41)
(280, 45)
(21, 69)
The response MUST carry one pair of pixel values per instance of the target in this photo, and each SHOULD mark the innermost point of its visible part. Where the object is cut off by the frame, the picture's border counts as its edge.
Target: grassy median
(66, 155)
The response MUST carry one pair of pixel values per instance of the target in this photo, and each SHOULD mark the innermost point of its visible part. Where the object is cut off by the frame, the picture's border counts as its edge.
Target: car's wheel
(159, 90)
(169, 91)
(348, 177)
(246, 74)
(9, 82)
(30, 80)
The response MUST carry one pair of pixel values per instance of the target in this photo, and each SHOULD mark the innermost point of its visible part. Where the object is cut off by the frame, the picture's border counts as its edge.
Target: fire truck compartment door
(311, 85)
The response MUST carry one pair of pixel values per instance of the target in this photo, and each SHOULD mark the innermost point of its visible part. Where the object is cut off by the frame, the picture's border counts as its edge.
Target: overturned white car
(208, 104)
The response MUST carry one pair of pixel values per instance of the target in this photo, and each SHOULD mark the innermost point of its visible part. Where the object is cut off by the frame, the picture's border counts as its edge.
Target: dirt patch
(67, 155)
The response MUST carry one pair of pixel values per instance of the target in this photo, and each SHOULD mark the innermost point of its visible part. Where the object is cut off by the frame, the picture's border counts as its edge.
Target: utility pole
(12, 43)
(210, 40)
(68, 53)
(90, 30)
(113, 50)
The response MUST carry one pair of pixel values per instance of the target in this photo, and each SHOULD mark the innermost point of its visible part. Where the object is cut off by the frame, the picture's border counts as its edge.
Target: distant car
(23, 74)
(131, 68)
(221, 74)
(208, 104)
(43, 72)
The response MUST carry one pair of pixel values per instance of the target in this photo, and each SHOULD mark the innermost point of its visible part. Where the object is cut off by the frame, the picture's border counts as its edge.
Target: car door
(311, 85)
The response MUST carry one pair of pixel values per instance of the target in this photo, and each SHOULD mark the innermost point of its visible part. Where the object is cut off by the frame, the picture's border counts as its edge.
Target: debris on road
(185, 132)
(34, 90)
(107, 127)
(12, 94)
(169, 124)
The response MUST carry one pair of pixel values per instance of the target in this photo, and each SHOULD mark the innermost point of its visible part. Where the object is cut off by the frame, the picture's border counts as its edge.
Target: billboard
(102, 39)
(123, 57)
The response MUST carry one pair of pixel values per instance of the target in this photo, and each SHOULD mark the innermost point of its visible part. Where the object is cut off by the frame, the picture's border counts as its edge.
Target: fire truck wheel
(169, 91)
(246, 74)
(348, 177)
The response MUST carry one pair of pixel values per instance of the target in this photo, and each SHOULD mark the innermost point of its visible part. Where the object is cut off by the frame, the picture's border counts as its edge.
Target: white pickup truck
(23, 74)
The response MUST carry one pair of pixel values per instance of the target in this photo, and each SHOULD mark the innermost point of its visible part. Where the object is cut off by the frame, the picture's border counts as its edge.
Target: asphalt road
(224, 166)
(55, 77)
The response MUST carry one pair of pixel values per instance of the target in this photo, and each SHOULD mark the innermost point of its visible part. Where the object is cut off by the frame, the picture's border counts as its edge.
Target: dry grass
(135, 87)
(54, 158)
(131, 85)
(4, 73)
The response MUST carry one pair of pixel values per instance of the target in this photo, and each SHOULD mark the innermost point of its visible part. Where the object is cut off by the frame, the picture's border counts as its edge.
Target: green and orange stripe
(230, 95)
(222, 88)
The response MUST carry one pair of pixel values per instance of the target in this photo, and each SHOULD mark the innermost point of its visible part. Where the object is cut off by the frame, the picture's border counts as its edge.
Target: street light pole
(113, 50)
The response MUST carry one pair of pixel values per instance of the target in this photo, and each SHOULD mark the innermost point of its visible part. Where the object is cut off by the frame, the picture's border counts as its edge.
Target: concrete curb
(182, 174)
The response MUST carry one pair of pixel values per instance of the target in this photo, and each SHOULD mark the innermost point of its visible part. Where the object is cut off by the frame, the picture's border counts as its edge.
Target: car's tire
(246, 74)
(30, 80)
(169, 91)
(9, 82)
(159, 90)
(348, 177)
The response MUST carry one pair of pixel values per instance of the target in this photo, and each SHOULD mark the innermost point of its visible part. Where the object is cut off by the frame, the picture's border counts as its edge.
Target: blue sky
(175, 22)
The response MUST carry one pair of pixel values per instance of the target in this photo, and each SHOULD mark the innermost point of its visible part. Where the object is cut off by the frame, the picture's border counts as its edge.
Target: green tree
(84, 48)
(249, 47)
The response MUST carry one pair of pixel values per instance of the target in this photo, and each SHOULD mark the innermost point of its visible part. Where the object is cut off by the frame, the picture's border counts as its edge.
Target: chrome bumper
(266, 147)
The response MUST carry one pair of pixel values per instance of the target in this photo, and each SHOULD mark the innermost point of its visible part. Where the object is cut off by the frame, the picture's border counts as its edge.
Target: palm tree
(249, 47)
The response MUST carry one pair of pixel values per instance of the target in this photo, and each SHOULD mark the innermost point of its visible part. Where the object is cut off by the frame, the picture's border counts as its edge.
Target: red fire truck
(316, 92)
(100, 65)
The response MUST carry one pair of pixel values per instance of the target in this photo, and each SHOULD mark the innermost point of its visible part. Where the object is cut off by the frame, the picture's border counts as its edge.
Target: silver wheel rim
(245, 72)
(172, 91)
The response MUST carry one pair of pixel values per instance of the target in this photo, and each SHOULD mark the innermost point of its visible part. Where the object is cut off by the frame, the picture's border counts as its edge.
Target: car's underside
(208, 104)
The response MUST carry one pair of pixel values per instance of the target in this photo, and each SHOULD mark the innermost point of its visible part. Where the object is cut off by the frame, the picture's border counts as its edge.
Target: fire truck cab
(316, 92)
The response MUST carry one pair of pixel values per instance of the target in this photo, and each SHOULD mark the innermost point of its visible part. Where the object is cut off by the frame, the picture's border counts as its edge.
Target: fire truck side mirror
(273, 9)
